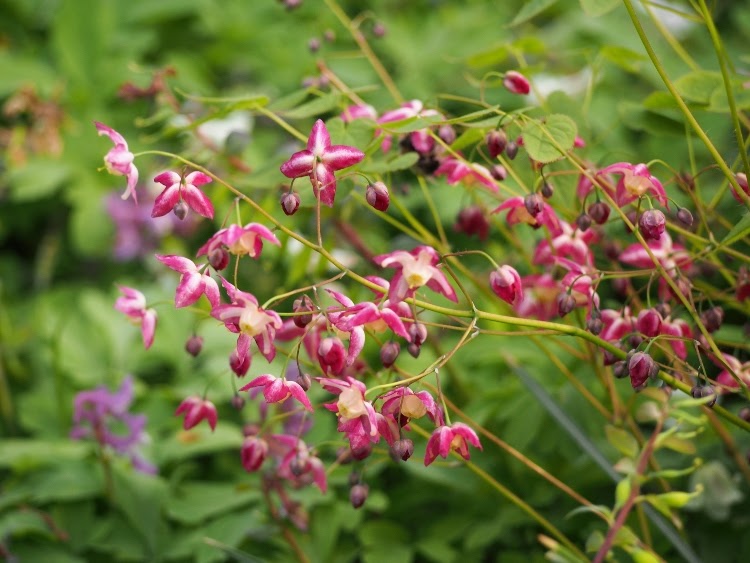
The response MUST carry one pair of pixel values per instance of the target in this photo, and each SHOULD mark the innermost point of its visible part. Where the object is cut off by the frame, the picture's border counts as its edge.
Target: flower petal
(166, 201)
(341, 156)
(198, 201)
(299, 164)
(319, 139)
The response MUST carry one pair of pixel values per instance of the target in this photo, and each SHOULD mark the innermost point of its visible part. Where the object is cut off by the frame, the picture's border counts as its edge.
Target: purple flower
(97, 412)
(119, 160)
(319, 161)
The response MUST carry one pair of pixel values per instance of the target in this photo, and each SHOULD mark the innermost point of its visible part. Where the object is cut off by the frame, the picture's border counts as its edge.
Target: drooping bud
(379, 29)
(496, 142)
(418, 333)
(180, 210)
(565, 303)
(744, 414)
(701, 391)
(595, 325)
(238, 402)
(548, 190)
(402, 449)
(239, 363)
(620, 369)
(649, 322)
(498, 172)
(640, 367)
(304, 381)
(534, 204)
(358, 495)
(743, 284)
(218, 258)
(664, 309)
(304, 309)
(253, 453)
(684, 216)
(712, 318)
(506, 284)
(329, 36)
(290, 203)
(377, 196)
(608, 357)
(361, 451)
(599, 212)
(389, 352)
(652, 224)
(516, 82)
(194, 345)
(583, 222)
(511, 150)
(413, 349)
(313, 44)
(742, 182)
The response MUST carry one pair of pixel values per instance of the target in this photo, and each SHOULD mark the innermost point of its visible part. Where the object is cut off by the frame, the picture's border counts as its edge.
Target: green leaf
(489, 57)
(642, 556)
(198, 441)
(596, 8)
(549, 140)
(19, 523)
(531, 9)
(23, 455)
(739, 231)
(401, 162)
(38, 179)
(699, 85)
(623, 440)
(625, 58)
(194, 502)
(675, 444)
(315, 107)
(622, 492)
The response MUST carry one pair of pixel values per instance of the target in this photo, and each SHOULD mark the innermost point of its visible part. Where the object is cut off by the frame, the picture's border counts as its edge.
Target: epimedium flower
(253, 453)
(469, 173)
(415, 269)
(279, 389)
(420, 140)
(635, 181)
(193, 283)
(320, 160)
(516, 82)
(445, 439)
(247, 240)
(356, 415)
(119, 160)
(506, 283)
(179, 188)
(298, 463)
(517, 213)
(402, 404)
(133, 304)
(196, 410)
(98, 412)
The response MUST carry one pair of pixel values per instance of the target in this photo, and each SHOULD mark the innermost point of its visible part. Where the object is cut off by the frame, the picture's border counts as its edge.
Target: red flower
(195, 410)
(177, 188)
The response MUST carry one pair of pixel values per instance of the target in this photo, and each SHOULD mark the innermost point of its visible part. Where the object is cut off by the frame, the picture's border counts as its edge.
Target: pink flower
(467, 172)
(635, 181)
(278, 389)
(421, 139)
(516, 82)
(506, 283)
(539, 297)
(356, 415)
(518, 214)
(569, 242)
(177, 188)
(298, 463)
(331, 355)
(244, 316)
(726, 380)
(445, 439)
(195, 410)
(319, 161)
(193, 283)
(254, 451)
(247, 240)
(402, 404)
(414, 270)
(133, 304)
(119, 160)
(359, 111)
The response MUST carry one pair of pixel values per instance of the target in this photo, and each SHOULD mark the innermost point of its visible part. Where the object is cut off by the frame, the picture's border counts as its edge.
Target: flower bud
(742, 182)
(418, 333)
(402, 449)
(361, 451)
(565, 304)
(548, 190)
(498, 172)
(744, 414)
(413, 349)
(506, 284)
(329, 36)
(304, 307)
(712, 318)
(652, 224)
(290, 203)
(496, 142)
(599, 212)
(701, 391)
(620, 369)
(379, 29)
(239, 364)
(250, 429)
(313, 45)
(389, 352)
(472, 222)
(511, 150)
(377, 196)
(218, 258)
(664, 309)
(304, 381)
(743, 284)
(358, 495)
(238, 402)
(516, 82)
(298, 466)
(534, 204)
(583, 222)
(331, 355)
(180, 210)
(194, 345)
(640, 367)
(595, 325)
(649, 322)
(685, 217)
(253, 453)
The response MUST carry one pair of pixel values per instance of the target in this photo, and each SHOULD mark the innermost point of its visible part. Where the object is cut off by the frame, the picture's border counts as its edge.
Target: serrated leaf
(699, 85)
(622, 440)
(531, 9)
(548, 141)
(595, 8)
(739, 231)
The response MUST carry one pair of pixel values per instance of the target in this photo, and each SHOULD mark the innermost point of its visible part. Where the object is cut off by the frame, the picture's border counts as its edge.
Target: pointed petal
(319, 139)
(198, 201)
(324, 177)
(197, 178)
(356, 344)
(299, 394)
(299, 164)
(166, 201)
(189, 290)
(342, 156)
(177, 263)
(211, 289)
(148, 327)
(168, 178)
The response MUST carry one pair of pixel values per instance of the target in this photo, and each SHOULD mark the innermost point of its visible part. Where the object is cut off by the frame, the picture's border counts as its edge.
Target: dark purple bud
(499, 172)
(744, 414)
(290, 203)
(599, 212)
(389, 352)
(712, 318)
(701, 391)
(304, 381)
(402, 449)
(684, 216)
(652, 224)
(620, 369)
(413, 349)
(534, 204)
(418, 333)
(635, 340)
(612, 249)
(583, 222)
(358, 495)
(313, 44)
(621, 285)
(496, 141)
(649, 322)
(565, 304)
(595, 325)
(640, 367)
(361, 452)
(194, 345)
(218, 258)
(239, 365)
(180, 210)
(608, 357)
(304, 309)
(238, 402)
(548, 190)
(664, 309)
(377, 196)
(511, 149)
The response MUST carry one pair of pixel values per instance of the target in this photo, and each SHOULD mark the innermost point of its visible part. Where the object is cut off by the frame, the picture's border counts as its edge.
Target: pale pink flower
(193, 283)
(635, 181)
(517, 213)
(247, 240)
(415, 269)
(469, 173)
(119, 160)
(279, 389)
(133, 304)
(359, 111)
(351, 407)
(178, 188)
